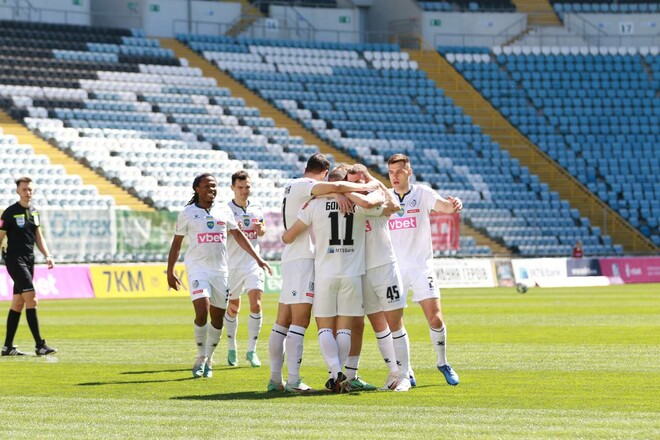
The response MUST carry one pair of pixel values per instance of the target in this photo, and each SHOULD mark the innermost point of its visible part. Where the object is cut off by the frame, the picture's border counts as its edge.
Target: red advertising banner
(445, 231)
(61, 282)
(632, 269)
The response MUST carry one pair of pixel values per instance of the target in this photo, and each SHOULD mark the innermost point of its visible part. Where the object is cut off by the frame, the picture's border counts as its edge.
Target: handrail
(490, 40)
(569, 22)
(505, 32)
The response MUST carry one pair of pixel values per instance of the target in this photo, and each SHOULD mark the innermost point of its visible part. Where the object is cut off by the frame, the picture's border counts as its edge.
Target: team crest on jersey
(20, 220)
(401, 211)
(413, 203)
(210, 221)
(246, 220)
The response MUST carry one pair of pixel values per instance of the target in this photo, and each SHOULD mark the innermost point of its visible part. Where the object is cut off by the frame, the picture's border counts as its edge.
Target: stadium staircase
(498, 127)
(57, 156)
(283, 120)
(539, 12)
(249, 14)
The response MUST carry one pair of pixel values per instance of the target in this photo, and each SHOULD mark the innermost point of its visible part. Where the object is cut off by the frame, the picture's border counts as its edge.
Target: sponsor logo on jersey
(250, 234)
(257, 220)
(195, 284)
(211, 237)
(220, 223)
(413, 203)
(412, 211)
(402, 223)
(195, 292)
(310, 294)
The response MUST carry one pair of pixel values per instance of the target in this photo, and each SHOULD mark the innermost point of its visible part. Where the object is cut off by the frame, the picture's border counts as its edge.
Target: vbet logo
(211, 237)
(45, 285)
(402, 223)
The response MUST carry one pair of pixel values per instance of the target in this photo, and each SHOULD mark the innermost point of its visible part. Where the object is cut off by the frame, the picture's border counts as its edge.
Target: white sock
(351, 367)
(344, 344)
(386, 347)
(254, 327)
(330, 351)
(439, 339)
(231, 324)
(294, 346)
(212, 341)
(200, 338)
(276, 351)
(402, 349)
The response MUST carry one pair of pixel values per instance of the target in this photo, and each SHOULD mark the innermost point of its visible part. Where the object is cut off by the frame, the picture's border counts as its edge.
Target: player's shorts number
(393, 293)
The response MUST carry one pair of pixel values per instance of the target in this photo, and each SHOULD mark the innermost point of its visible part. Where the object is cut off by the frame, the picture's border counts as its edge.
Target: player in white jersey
(410, 229)
(245, 275)
(206, 226)
(384, 299)
(297, 268)
(339, 266)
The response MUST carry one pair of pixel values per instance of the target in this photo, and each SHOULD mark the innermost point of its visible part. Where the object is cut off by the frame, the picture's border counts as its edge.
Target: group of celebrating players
(353, 248)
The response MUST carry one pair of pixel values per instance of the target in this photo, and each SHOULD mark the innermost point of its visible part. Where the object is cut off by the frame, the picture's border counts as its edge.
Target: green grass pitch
(553, 363)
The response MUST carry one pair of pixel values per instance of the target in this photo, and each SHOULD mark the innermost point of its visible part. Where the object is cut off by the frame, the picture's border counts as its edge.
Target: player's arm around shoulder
(290, 235)
(450, 205)
(367, 201)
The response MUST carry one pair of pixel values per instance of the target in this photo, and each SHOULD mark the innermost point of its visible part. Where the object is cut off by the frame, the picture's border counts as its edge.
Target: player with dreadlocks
(206, 225)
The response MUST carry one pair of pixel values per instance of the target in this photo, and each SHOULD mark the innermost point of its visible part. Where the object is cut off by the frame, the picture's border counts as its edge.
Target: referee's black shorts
(21, 271)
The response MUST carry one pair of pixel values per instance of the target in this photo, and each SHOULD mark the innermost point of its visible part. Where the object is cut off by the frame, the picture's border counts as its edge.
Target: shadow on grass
(133, 382)
(253, 395)
(174, 370)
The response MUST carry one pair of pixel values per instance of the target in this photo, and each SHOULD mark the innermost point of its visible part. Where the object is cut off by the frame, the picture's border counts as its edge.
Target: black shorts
(21, 271)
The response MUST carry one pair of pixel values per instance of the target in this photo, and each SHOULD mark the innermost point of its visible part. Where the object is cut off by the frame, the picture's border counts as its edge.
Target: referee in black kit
(20, 223)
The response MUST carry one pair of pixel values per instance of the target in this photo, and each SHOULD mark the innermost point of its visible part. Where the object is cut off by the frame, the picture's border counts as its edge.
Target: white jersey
(296, 193)
(247, 220)
(340, 251)
(378, 246)
(207, 237)
(410, 227)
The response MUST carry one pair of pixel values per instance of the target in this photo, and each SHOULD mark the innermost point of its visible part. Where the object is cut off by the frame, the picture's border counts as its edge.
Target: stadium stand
(594, 111)
(132, 112)
(467, 6)
(128, 109)
(594, 6)
(373, 101)
(56, 187)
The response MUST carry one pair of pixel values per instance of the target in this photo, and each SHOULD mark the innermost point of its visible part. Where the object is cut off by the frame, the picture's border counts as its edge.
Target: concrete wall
(51, 11)
(404, 14)
(471, 28)
(318, 24)
(113, 13)
(616, 29)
